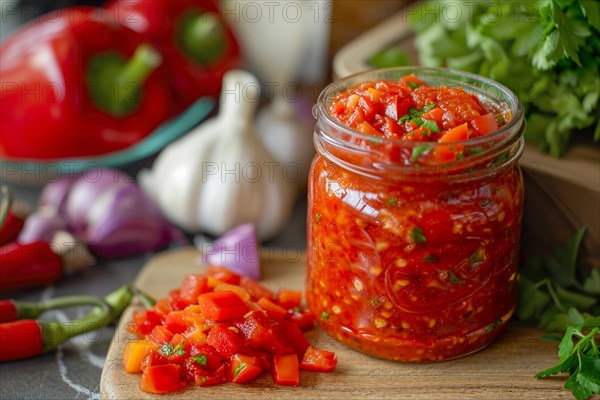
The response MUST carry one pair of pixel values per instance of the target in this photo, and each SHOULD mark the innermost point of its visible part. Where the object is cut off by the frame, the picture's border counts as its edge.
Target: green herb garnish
(324, 315)
(413, 85)
(238, 369)
(477, 256)
(166, 349)
(203, 378)
(546, 55)
(494, 325)
(417, 235)
(419, 150)
(473, 151)
(200, 360)
(392, 202)
(551, 292)
(579, 356)
(317, 217)
(179, 350)
(455, 280)
(415, 114)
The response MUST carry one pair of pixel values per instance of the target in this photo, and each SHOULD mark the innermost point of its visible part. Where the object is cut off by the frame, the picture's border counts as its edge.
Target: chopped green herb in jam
(377, 301)
(494, 325)
(392, 202)
(324, 315)
(455, 280)
(431, 258)
(477, 257)
(318, 217)
(417, 235)
(413, 85)
(473, 151)
(418, 151)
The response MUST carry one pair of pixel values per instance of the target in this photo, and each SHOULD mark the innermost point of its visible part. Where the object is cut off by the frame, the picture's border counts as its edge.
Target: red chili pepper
(77, 83)
(20, 339)
(8, 310)
(26, 338)
(38, 263)
(28, 265)
(197, 45)
(15, 220)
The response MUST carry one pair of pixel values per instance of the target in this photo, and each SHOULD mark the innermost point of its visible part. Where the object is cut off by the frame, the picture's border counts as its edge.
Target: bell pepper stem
(202, 36)
(115, 84)
(5, 204)
(56, 333)
(135, 72)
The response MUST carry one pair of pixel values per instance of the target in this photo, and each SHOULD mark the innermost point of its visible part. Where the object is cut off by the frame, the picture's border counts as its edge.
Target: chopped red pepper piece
(318, 360)
(222, 306)
(161, 379)
(285, 369)
(225, 339)
(243, 368)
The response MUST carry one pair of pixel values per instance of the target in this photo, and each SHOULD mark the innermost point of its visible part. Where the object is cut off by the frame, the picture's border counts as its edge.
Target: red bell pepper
(285, 369)
(243, 368)
(79, 84)
(161, 379)
(318, 360)
(197, 45)
(222, 306)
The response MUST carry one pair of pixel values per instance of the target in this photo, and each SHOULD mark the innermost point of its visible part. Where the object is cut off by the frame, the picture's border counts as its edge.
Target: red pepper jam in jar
(415, 208)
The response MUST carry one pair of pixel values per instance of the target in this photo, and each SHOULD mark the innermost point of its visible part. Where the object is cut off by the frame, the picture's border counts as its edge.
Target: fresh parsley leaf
(391, 57)
(428, 107)
(318, 217)
(166, 349)
(324, 315)
(417, 235)
(579, 355)
(544, 51)
(200, 360)
(431, 125)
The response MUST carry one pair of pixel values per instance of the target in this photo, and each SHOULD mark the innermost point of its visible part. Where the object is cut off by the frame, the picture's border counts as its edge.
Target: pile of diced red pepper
(221, 327)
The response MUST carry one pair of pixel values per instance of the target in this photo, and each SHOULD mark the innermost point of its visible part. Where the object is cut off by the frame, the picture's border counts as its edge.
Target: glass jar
(414, 261)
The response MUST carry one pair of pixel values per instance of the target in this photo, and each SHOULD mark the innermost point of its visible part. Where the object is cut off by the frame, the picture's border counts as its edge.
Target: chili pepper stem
(203, 36)
(5, 204)
(137, 69)
(55, 333)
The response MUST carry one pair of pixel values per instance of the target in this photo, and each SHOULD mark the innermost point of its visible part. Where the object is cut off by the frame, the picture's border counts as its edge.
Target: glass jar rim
(320, 109)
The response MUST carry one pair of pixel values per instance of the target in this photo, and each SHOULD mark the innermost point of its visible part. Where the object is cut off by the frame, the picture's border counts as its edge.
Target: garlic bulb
(288, 138)
(220, 174)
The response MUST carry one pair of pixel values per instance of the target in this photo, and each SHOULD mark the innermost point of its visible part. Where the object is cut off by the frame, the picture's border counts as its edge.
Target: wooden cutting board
(502, 371)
